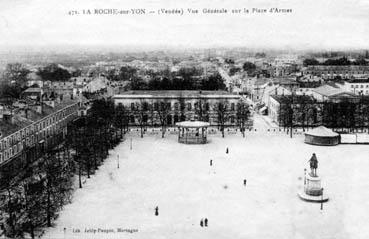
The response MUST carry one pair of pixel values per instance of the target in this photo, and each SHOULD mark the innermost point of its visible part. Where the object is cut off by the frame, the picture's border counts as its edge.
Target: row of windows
(36, 127)
(337, 72)
(361, 86)
(156, 106)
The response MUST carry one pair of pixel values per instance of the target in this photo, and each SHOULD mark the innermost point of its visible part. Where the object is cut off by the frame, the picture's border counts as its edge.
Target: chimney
(8, 118)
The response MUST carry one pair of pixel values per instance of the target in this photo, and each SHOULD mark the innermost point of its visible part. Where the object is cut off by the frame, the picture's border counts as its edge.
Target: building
(334, 94)
(39, 132)
(331, 72)
(357, 86)
(146, 106)
(322, 136)
(304, 108)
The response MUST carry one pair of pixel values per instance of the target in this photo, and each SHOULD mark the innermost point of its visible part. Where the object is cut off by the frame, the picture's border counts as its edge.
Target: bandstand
(192, 132)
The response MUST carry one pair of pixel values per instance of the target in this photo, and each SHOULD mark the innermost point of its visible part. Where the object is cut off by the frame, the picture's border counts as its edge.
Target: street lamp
(118, 161)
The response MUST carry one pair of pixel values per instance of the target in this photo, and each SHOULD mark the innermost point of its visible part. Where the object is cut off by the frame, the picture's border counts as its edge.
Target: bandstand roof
(322, 132)
(192, 124)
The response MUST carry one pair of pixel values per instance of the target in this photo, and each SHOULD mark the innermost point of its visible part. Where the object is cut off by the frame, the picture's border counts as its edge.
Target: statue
(313, 165)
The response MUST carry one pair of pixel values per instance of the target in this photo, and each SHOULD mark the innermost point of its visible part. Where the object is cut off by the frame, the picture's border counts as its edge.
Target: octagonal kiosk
(192, 132)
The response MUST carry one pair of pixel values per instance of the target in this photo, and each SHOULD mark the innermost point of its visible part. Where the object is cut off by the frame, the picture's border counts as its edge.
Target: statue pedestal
(312, 191)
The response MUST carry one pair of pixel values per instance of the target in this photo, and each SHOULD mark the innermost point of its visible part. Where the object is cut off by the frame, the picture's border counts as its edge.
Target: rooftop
(174, 94)
(192, 124)
(322, 132)
(296, 99)
(328, 90)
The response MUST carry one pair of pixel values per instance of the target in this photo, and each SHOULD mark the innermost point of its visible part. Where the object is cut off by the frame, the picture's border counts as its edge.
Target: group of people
(204, 222)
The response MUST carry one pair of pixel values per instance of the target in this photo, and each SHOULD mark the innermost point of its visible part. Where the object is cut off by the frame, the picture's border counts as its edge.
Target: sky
(313, 24)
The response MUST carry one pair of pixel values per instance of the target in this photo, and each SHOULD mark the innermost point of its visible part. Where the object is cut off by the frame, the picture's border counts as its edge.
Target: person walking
(227, 150)
(201, 223)
(157, 211)
(211, 162)
(244, 182)
(206, 222)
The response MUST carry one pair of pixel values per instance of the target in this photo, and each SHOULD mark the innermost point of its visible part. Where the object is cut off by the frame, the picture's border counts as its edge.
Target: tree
(138, 83)
(126, 73)
(310, 62)
(249, 67)
(16, 73)
(243, 114)
(141, 111)
(54, 72)
(223, 114)
(201, 108)
(120, 118)
(234, 70)
(163, 110)
(213, 82)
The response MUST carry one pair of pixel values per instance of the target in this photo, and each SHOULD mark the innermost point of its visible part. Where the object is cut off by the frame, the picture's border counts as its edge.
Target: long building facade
(39, 133)
(145, 106)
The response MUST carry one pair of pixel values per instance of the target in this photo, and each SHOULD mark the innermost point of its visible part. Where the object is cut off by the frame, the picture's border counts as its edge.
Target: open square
(178, 179)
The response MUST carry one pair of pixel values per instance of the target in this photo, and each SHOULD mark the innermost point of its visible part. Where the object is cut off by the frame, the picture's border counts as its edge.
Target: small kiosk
(192, 132)
(322, 136)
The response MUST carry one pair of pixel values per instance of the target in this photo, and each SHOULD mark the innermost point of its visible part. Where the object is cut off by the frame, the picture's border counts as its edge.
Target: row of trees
(302, 111)
(33, 199)
(343, 61)
(161, 112)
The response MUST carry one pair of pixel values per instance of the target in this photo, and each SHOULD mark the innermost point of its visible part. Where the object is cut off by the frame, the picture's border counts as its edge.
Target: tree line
(343, 61)
(344, 115)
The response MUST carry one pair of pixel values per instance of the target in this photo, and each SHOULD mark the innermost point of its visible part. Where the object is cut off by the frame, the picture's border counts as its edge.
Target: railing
(192, 140)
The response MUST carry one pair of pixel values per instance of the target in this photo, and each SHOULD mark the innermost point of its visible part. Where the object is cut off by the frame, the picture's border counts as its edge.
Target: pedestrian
(227, 150)
(211, 162)
(244, 182)
(206, 222)
(201, 223)
(157, 211)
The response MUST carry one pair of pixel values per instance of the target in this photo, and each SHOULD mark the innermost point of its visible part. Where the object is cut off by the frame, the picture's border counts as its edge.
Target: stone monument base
(312, 191)
(310, 198)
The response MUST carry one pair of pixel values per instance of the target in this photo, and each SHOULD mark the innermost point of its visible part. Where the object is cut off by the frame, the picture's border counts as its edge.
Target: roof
(192, 124)
(176, 94)
(328, 90)
(322, 131)
(33, 89)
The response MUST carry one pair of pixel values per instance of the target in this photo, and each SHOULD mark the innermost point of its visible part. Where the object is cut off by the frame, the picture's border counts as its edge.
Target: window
(176, 106)
(352, 86)
(169, 106)
(120, 104)
(132, 118)
(232, 106)
(232, 119)
(189, 106)
(156, 106)
(207, 106)
(132, 106)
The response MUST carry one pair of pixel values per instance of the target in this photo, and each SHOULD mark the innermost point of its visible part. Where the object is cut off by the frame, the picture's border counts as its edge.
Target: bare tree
(223, 114)
(141, 111)
(163, 111)
(243, 114)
